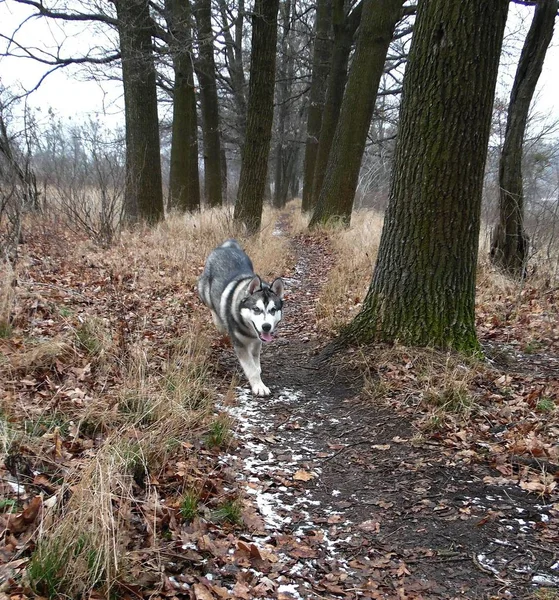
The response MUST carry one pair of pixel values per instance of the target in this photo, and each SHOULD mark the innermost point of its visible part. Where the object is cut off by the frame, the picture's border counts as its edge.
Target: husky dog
(243, 306)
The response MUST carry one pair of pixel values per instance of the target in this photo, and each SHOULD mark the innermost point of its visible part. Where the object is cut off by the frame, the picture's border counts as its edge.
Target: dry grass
(82, 544)
(438, 389)
(182, 242)
(298, 221)
(356, 251)
(528, 307)
(154, 416)
(41, 354)
(124, 369)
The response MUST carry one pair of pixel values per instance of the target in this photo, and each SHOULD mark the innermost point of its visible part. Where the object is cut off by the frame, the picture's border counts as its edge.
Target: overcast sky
(70, 95)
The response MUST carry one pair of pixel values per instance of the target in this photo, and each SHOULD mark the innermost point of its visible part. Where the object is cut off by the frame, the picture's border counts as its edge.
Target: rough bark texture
(509, 244)
(209, 102)
(423, 288)
(285, 71)
(184, 180)
(344, 30)
(143, 197)
(322, 57)
(260, 113)
(234, 52)
(378, 21)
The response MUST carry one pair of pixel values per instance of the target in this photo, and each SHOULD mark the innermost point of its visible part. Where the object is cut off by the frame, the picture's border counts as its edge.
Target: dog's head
(262, 306)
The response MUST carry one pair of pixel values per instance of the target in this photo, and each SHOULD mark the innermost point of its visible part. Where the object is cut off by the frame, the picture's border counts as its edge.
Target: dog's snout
(266, 327)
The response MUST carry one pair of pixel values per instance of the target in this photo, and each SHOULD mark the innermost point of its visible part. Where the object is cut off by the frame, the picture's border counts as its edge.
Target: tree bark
(510, 244)
(285, 70)
(234, 52)
(378, 21)
(210, 107)
(322, 57)
(184, 180)
(260, 113)
(143, 196)
(423, 288)
(344, 29)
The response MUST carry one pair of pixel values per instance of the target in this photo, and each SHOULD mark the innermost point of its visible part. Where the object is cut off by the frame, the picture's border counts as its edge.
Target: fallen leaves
(302, 475)
(20, 522)
(512, 414)
(544, 486)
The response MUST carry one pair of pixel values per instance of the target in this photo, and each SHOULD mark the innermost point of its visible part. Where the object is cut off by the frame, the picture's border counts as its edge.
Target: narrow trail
(352, 508)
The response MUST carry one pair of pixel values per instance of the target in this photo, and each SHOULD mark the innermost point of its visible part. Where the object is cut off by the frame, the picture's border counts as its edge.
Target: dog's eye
(256, 311)
(272, 311)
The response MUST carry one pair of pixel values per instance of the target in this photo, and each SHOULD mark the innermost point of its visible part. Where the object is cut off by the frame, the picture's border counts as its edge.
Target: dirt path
(351, 507)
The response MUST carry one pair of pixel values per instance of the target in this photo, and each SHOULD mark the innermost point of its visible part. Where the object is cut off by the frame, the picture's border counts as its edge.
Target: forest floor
(381, 473)
(362, 500)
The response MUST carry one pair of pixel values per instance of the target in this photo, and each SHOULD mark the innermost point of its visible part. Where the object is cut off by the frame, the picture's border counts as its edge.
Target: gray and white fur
(243, 306)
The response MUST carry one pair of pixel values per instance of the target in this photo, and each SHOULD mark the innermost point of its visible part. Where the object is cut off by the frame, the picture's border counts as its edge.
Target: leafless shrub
(18, 185)
(84, 183)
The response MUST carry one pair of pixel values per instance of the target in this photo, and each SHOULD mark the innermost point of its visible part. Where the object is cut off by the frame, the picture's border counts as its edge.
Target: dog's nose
(266, 327)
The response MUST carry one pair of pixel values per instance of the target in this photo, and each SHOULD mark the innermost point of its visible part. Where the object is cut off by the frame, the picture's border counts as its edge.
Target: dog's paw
(259, 389)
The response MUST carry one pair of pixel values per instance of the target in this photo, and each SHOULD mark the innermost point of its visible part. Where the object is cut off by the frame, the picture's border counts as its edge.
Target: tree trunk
(234, 53)
(378, 21)
(143, 196)
(209, 101)
(509, 244)
(224, 177)
(285, 78)
(260, 113)
(322, 56)
(184, 180)
(344, 30)
(423, 288)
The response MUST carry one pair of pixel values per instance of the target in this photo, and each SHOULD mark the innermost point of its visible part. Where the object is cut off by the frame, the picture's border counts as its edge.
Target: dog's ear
(277, 287)
(254, 285)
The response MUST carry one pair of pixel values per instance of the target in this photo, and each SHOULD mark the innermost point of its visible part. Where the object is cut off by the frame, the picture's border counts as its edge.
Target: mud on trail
(354, 504)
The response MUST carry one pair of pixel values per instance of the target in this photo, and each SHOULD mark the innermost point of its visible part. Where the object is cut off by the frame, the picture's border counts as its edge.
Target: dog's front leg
(249, 357)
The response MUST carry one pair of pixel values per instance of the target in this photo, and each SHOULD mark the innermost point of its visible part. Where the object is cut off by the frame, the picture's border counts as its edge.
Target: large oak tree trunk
(285, 68)
(286, 125)
(322, 56)
(184, 180)
(209, 102)
(509, 244)
(423, 288)
(260, 113)
(344, 30)
(378, 21)
(143, 196)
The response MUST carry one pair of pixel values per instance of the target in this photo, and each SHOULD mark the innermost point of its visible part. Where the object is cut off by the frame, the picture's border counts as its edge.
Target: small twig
(458, 558)
(536, 463)
(481, 567)
(343, 449)
(52, 286)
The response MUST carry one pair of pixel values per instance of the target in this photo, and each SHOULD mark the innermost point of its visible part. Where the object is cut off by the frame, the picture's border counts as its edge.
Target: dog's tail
(231, 244)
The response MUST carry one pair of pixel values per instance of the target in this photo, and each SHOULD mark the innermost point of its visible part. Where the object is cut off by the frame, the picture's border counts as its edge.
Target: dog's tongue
(266, 337)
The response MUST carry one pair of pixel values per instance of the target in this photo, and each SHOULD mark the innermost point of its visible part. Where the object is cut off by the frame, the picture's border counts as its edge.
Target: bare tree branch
(68, 16)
